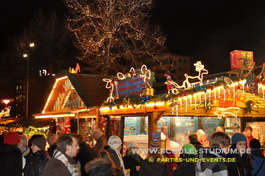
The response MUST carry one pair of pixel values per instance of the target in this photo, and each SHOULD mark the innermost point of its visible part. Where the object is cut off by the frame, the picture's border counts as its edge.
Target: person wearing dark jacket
(113, 148)
(219, 147)
(62, 162)
(242, 166)
(186, 167)
(258, 160)
(132, 160)
(84, 155)
(101, 141)
(52, 138)
(151, 166)
(102, 166)
(193, 138)
(37, 160)
(10, 156)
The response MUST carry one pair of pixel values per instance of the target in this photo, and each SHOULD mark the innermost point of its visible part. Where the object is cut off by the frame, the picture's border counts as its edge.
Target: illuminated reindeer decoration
(173, 87)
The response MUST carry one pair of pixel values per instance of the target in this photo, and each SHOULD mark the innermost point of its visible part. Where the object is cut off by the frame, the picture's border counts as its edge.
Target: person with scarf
(63, 163)
(131, 159)
(113, 148)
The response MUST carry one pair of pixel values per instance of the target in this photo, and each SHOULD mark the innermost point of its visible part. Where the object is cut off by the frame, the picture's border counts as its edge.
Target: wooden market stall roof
(89, 87)
(213, 102)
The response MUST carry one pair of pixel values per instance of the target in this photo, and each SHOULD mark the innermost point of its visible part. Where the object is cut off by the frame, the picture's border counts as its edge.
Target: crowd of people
(70, 155)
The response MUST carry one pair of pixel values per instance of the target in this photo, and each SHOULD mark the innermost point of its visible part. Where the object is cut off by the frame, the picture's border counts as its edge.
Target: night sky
(206, 30)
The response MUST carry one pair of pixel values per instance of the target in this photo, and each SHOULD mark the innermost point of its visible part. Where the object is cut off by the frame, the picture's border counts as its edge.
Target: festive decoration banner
(130, 87)
(241, 59)
(136, 82)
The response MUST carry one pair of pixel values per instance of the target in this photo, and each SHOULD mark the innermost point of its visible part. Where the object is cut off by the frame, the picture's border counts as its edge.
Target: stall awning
(78, 113)
(5, 121)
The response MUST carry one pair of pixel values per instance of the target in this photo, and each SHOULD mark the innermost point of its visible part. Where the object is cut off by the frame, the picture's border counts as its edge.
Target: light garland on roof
(54, 116)
(51, 94)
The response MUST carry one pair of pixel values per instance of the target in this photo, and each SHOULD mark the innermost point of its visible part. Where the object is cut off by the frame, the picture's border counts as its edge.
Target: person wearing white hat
(131, 159)
(113, 148)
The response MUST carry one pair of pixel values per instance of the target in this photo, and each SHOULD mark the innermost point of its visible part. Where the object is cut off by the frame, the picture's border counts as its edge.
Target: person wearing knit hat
(10, 155)
(239, 152)
(238, 137)
(186, 167)
(12, 138)
(40, 143)
(38, 159)
(132, 145)
(189, 149)
(113, 148)
(131, 159)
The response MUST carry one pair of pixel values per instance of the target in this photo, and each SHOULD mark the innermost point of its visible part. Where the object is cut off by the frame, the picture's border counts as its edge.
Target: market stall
(73, 102)
(196, 103)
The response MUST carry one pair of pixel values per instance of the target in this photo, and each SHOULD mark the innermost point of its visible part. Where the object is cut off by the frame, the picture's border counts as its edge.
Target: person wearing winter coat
(102, 166)
(113, 148)
(152, 165)
(101, 141)
(85, 154)
(23, 147)
(37, 160)
(10, 156)
(132, 160)
(186, 167)
(242, 166)
(52, 138)
(219, 147)
(193, 138)
(258, 160)
(62, 162)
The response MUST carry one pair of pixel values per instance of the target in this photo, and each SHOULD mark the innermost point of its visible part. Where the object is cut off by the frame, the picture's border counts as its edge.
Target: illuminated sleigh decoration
(112, 84)
(173, 87)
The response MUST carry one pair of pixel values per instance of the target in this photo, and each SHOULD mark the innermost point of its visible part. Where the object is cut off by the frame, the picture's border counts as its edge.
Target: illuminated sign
(231, 100)
(129, 87)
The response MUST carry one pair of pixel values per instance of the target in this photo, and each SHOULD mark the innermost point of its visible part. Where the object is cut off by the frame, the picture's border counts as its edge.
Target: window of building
(180, 60)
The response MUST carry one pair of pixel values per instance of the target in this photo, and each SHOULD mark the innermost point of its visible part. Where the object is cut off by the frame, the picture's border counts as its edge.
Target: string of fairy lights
(99, 27)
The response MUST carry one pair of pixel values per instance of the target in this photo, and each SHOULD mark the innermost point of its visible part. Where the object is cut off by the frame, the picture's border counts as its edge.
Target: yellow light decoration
(51, 94)
(67, 97)
(6, 101)
(54, 116)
